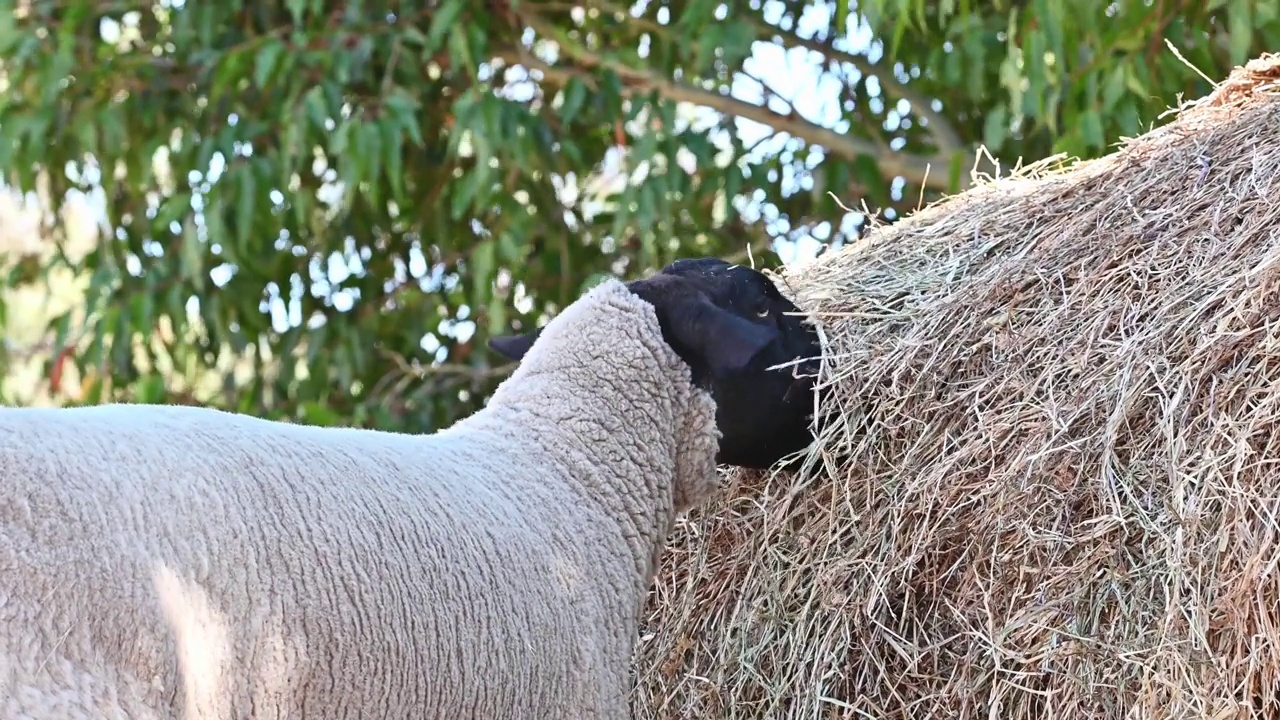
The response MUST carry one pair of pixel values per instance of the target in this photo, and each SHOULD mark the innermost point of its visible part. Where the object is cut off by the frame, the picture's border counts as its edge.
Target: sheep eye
(763, 312)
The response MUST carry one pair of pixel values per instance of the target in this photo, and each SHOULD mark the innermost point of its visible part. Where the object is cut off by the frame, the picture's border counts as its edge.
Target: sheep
(182, 562)
(755, 434)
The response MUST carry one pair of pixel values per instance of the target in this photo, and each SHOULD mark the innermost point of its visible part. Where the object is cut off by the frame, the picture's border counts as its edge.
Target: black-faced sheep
(758, 434)
(763, 411)
(178, 562)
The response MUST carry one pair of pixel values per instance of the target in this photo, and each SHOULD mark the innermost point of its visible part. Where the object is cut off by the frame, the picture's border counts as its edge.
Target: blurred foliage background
(319, 211)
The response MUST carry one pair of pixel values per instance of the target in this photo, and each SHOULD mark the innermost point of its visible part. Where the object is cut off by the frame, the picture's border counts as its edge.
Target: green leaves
(247, 199)
(266, 61)
(442, 22)
(1074, 76)
(995, 129)
(1240, 30)
(352, 195)
(842, 17)
(575, 94)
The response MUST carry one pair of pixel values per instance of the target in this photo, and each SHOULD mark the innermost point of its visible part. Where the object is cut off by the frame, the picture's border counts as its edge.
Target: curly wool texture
(175, 562)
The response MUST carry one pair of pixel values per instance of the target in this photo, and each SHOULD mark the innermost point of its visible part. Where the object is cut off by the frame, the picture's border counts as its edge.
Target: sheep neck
(605, 400)
(612, 441)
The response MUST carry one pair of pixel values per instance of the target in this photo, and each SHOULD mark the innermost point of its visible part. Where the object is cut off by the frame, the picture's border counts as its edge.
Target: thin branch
(914, 169)
(939, 125)
(752, 250)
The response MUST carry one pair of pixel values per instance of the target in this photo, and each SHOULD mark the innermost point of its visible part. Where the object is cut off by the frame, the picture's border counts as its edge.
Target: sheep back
(164, 562)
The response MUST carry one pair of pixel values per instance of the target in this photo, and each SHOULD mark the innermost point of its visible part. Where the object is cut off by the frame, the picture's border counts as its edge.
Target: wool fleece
(176, 562)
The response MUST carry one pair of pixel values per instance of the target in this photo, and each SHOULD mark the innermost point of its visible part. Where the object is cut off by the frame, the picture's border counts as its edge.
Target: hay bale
(1045, 486)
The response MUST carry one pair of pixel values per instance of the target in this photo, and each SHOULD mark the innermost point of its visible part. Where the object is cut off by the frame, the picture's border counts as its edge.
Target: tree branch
(940, 127)
(930, 171)
(752, 252)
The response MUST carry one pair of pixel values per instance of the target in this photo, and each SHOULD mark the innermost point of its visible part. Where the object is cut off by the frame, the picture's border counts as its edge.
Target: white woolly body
(173, 562)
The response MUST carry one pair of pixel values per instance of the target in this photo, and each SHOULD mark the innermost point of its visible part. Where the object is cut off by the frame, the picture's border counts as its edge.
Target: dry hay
(1045, 485)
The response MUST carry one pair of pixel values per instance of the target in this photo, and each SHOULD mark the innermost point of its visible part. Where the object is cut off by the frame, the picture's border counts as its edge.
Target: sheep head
(763, 411)
(731, 326)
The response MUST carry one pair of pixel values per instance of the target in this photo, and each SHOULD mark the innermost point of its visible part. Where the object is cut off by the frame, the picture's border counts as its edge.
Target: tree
(319, 211)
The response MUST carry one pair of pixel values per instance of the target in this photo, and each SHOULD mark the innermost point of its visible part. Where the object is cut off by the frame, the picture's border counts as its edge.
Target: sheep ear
(514, 347)
(722, 340)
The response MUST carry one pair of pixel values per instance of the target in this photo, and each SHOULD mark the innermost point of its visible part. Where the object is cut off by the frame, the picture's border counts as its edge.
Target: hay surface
(1047, 483)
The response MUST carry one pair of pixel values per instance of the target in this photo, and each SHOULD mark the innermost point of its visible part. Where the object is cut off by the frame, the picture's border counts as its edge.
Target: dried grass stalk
(1046, 485)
